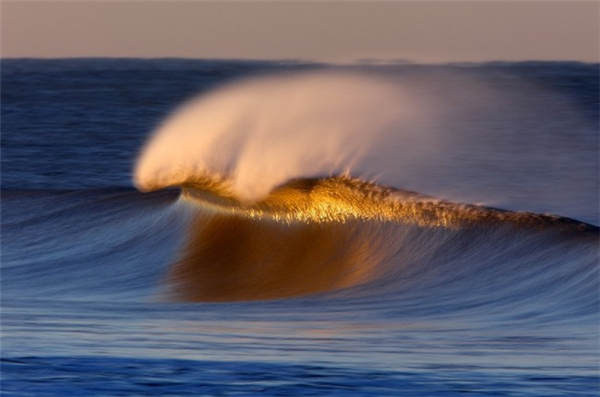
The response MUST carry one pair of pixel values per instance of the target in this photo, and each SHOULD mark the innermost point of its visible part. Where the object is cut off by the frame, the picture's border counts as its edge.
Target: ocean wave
(334, 234)
(296, 182)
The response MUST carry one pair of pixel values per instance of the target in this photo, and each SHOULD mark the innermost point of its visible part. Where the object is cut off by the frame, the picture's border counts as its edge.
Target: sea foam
(261, 133)
(451, 135)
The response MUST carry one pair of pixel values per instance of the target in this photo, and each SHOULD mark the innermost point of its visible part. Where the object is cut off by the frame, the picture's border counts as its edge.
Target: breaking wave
(294, 185)
(341, 234)
(259, 134)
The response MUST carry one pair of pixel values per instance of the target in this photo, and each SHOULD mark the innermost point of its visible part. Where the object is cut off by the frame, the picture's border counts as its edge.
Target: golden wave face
(335, 199)
(318, 235)
(231, 258)
(339, 199)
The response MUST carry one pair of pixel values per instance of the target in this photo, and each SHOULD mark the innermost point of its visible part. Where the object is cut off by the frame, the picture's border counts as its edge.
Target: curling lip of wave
(338, 199)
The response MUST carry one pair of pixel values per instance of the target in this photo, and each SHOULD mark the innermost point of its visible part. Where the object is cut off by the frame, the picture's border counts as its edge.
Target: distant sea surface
(307, 236)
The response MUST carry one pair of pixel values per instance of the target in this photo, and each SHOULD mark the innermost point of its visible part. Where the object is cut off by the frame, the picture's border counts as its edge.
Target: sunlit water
(325, 286)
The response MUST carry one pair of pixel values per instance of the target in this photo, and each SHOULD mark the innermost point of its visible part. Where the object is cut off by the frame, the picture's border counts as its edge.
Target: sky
(327, 31)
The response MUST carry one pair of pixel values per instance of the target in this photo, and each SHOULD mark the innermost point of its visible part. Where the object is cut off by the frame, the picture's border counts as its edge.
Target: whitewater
(179, 227)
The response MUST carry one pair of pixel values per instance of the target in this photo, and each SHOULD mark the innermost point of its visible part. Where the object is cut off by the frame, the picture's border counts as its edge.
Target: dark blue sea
(175, 227)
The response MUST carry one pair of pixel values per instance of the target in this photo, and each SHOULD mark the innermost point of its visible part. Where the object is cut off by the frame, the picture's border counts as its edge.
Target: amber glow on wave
(339, 199)
(320, 235)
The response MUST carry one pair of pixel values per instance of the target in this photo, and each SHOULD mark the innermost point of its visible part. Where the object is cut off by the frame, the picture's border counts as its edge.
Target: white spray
(443, 134)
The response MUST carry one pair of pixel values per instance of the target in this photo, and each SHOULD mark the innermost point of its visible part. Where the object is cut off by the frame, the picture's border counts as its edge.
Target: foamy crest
(451, 135)
(258, 134)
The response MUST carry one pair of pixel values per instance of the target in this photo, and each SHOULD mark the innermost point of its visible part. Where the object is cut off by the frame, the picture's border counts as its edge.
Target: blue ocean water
(108, 291)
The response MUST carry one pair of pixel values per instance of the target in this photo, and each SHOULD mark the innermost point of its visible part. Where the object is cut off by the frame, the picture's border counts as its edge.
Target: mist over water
(261, 133)
(444, 134)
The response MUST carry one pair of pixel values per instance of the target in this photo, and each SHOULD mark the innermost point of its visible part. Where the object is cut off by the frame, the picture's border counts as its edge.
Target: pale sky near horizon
(332, 31)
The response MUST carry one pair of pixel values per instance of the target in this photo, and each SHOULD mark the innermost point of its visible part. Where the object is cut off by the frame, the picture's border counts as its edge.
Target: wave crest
(261, 133)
